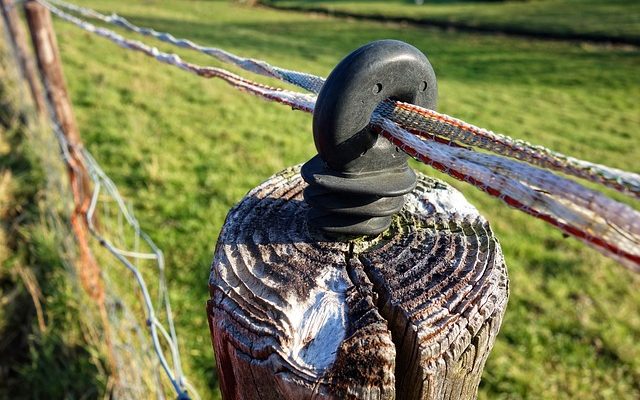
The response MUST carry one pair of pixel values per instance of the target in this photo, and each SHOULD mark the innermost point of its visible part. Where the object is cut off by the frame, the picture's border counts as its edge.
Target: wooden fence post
(410, 311)
(19, 44)
(50, 67)
(410, 314)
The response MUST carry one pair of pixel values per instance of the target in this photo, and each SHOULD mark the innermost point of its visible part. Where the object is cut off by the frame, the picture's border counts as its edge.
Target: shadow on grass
(551, 29)
(386, 1)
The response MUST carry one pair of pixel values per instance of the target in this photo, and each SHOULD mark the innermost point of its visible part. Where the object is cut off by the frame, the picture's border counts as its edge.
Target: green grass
(184, 150)
(588, 19)
(38, 337)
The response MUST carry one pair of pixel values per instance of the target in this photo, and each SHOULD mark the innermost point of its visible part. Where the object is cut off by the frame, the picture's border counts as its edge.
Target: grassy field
(183, 150)
(604, 19)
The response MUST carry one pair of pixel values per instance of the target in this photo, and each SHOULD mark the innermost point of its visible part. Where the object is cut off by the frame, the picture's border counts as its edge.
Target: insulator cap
(358, 180)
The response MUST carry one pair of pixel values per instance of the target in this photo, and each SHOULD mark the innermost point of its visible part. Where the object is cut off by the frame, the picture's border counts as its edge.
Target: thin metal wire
(130, 379)
(306, 81)
(103, 182)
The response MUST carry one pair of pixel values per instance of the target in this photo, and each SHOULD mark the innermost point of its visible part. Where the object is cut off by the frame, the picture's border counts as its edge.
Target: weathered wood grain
(410, 314)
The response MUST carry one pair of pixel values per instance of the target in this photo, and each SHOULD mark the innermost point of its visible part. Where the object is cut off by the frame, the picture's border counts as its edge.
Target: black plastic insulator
(358, 180)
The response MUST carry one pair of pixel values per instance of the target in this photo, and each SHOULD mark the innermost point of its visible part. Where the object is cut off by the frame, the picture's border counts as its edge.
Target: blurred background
(182, 150)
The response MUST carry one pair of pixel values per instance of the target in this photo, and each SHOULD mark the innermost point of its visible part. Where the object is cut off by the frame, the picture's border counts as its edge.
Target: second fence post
(50, 67)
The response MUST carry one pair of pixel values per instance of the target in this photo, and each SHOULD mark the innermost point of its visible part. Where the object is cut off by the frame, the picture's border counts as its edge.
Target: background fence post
(19, 44)
(50, 67)
(410, 314)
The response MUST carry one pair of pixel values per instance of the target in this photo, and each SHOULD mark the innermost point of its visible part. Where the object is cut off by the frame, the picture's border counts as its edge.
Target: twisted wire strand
(295, 100)
(311, 83)
(588, 215)
(610, 227)
(425, 121)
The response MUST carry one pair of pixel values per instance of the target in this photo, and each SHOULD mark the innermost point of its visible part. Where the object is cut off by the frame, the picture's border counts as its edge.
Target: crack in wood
(410, 314)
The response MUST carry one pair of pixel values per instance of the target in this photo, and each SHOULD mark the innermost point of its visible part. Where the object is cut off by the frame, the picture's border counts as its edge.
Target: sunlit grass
(184, 150)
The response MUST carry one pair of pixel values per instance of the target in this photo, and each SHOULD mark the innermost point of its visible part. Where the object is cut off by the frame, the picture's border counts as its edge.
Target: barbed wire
(422, 121)
(605, 224)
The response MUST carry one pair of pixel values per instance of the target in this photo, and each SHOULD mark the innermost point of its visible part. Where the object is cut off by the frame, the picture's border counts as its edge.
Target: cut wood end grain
(410, 314)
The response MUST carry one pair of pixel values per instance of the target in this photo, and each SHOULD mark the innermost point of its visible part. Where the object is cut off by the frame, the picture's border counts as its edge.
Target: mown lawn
(183, 150)
(608, 19)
